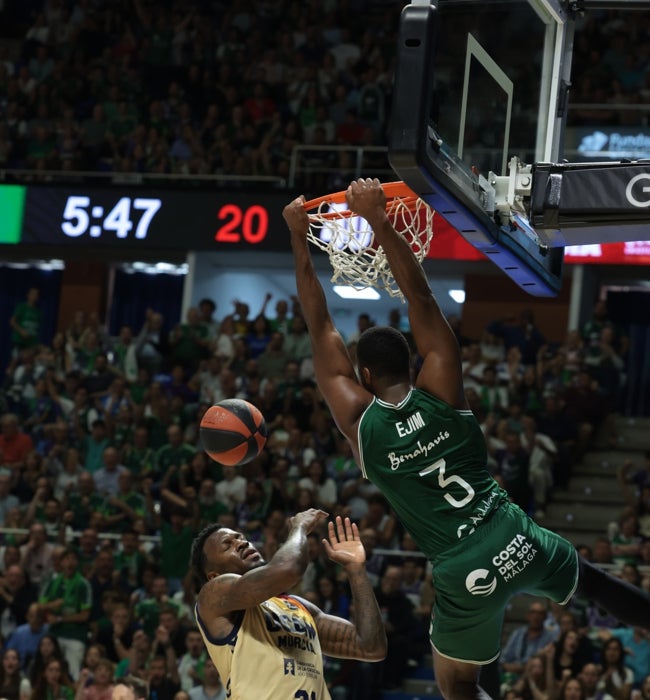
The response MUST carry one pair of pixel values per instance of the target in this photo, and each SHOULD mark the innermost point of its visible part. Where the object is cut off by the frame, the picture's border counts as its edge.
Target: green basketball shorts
(473, 581)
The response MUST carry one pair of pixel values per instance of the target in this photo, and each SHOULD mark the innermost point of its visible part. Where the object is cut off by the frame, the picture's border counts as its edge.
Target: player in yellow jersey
(421, 445)
(265, 643)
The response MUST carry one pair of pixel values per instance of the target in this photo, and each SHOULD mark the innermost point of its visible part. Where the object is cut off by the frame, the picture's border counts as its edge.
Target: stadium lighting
(366, 294)
(458, 295)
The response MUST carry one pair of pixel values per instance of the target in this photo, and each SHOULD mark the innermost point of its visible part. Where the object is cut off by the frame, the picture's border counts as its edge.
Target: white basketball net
(349, 241)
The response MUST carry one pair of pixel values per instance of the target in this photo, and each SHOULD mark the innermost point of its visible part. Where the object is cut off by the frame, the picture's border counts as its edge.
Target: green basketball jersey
(429, 461)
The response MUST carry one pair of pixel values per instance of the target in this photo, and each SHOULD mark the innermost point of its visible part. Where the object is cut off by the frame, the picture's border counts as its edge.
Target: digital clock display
(130, 213)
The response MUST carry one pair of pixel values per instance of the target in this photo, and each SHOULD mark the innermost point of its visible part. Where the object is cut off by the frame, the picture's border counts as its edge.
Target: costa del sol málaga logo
(475, 582)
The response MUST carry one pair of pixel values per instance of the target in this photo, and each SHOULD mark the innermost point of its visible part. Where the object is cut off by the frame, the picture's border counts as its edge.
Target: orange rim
(392, 190)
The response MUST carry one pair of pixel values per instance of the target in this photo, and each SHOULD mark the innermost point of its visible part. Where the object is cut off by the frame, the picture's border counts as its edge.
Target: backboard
(478, 83)
(477, 122)
(493, 82)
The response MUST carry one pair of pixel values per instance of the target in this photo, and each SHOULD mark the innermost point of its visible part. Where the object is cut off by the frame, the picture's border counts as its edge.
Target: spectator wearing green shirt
(176, 535)
(66, 602)
(125, 507)
(290, 385)
(139, 388)
(84, 502)
(281, 322)
(124, 354)
(130, 561)
(26, 322)
(209, 508)
(87, 550)
(189, 341)
(93, 445)
(137, 456)
(147, 611)
(175, 453)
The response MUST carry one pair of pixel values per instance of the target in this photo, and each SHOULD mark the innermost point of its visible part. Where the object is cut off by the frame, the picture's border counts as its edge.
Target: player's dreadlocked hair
(197, 555)
(385, 352)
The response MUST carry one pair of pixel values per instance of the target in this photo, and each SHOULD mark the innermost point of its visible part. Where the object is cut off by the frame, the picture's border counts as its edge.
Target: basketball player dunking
(267, 644)
(421, 445)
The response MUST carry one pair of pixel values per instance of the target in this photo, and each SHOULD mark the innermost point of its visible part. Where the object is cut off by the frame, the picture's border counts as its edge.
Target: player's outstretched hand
(296, 217)
(344, 545)
(366, 198)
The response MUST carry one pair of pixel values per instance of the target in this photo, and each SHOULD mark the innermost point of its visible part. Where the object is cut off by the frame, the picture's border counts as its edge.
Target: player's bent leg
(457, 680)
(629, 604)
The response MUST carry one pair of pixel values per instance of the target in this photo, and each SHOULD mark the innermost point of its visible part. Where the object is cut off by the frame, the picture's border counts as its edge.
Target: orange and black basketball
(233, 432)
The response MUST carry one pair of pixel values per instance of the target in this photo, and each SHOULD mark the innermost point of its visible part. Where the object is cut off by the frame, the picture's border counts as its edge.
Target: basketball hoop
(357, 259)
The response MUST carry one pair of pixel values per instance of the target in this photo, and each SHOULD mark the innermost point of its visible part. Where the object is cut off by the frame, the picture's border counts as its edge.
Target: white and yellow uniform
(272, 653)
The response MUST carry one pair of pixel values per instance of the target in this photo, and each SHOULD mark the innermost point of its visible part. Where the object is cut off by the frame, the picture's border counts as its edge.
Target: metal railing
(75, 534)
(302, 161)
(14, 175)
(610, 106)
(156, 540)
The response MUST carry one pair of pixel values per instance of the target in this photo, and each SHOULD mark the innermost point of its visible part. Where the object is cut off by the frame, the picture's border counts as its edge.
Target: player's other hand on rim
(296, 216)
(366, 197)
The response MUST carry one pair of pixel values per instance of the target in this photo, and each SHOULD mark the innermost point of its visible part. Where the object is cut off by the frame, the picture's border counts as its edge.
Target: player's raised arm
(365, 639)
(235, 575)
(333, 367)
(441, 373)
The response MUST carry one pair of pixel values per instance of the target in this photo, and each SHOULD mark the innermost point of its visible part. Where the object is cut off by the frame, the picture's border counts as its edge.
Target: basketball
(233, 432)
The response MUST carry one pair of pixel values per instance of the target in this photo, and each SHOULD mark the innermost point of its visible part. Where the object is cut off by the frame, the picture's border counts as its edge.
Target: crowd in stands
(189, 86)
(610, 70)
(230, 88)
(104, 484)
(562, 653)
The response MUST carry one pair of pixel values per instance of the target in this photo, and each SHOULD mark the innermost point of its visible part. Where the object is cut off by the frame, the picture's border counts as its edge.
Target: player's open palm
(344, 545)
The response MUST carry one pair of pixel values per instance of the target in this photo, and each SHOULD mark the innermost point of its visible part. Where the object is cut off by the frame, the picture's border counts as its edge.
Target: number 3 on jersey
(304, 695)
(443, 482)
